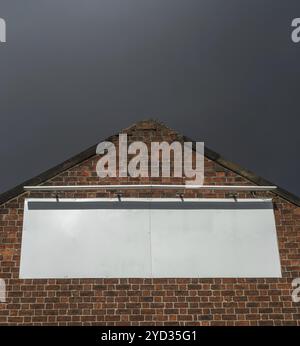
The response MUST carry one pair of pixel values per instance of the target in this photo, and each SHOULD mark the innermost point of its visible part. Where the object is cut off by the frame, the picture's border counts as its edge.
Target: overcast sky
(73, 72)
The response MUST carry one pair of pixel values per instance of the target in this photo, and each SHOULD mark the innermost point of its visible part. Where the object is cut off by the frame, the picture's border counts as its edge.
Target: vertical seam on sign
(151, 273)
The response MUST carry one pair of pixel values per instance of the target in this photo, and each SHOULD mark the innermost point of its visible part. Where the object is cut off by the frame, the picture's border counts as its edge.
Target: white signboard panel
(84, 240)
(97, 238)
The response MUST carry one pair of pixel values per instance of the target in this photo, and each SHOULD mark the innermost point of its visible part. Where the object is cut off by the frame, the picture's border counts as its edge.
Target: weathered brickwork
(148, 301)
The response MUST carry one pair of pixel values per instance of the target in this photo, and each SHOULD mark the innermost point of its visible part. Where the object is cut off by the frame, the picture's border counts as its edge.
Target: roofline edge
(91, 151)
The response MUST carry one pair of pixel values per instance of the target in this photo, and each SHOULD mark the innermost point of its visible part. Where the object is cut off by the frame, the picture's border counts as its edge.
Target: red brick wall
(148, 301)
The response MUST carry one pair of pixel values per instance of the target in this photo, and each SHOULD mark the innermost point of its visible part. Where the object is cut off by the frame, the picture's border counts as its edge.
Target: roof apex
(147, 124)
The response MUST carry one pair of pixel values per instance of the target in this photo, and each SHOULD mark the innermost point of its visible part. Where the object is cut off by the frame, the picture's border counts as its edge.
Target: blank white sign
(95, 238)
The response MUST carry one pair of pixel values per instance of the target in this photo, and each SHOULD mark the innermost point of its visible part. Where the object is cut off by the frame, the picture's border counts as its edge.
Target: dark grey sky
(74, 72)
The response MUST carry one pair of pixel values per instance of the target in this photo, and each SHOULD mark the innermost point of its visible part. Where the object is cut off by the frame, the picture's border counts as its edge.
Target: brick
(138, 301)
